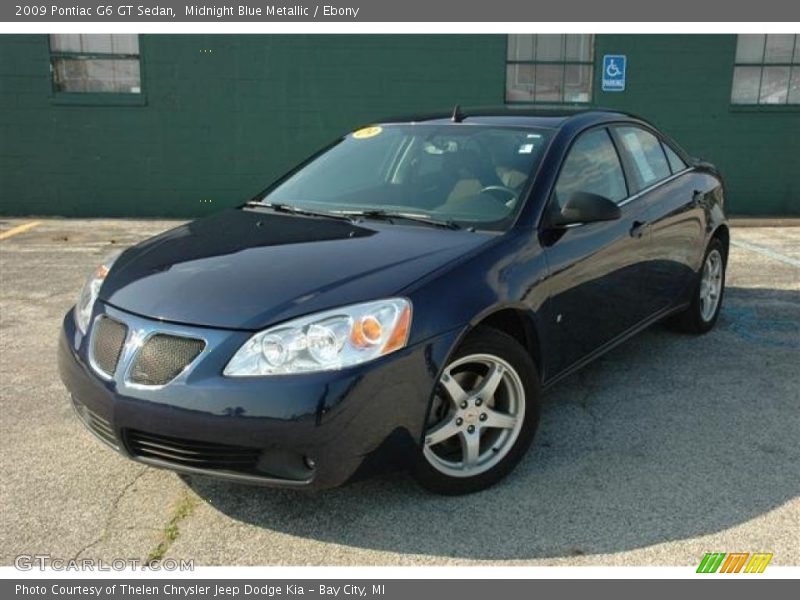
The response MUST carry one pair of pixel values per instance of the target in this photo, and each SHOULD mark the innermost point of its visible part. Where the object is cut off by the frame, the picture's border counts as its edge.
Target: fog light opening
(310, 462)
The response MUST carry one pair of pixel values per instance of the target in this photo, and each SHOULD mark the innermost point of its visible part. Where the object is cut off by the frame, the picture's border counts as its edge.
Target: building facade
(182, 125)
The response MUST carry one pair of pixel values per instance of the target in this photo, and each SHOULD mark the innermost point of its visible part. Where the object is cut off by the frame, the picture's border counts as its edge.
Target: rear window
(646, 154)
(675, 162)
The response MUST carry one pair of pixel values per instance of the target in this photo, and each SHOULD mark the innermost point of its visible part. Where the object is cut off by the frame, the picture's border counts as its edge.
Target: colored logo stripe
(734, 562)
(758, 562)
(711, 562)
(755, 563)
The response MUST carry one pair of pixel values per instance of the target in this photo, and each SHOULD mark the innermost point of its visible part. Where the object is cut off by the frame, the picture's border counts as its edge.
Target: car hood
(244, 269)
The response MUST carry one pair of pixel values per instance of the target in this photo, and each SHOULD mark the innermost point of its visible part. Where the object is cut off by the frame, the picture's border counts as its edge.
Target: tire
(479, 427)
(698, 318)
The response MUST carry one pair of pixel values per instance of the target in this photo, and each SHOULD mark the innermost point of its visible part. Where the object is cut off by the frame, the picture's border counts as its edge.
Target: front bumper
(347, 422)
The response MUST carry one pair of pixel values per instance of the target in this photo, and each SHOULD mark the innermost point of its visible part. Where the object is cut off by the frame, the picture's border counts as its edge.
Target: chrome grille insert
(163, 357)
(108, 340)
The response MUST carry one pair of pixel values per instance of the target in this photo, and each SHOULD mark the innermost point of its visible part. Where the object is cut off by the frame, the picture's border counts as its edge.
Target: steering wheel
(493, 189)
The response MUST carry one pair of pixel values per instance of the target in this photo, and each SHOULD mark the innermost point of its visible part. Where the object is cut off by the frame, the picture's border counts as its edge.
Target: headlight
(329, 340)
(83, 309)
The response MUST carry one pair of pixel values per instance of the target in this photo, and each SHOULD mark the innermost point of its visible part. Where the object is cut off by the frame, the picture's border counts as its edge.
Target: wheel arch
(515, 321)
(723, 234)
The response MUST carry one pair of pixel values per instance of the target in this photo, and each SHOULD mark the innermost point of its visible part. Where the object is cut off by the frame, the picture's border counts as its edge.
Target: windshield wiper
(387, 215)
(296, 210)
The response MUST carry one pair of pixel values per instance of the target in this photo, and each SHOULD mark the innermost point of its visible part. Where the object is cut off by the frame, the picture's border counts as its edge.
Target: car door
(594, 280)
(674, 218)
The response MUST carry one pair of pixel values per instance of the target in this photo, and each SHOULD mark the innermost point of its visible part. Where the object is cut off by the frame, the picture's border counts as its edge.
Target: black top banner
(402, 11)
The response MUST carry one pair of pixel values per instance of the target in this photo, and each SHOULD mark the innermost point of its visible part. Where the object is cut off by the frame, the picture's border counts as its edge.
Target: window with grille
(549, 68)
(95, 63)
(766, 70)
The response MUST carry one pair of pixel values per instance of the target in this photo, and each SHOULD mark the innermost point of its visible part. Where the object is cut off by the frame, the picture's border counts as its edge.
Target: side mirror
(585, 207)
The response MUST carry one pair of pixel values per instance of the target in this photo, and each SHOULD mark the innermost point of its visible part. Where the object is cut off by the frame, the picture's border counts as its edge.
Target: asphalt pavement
(668, 447)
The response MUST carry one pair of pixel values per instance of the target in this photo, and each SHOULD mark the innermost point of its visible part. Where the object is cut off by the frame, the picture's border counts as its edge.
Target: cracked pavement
(666, 448)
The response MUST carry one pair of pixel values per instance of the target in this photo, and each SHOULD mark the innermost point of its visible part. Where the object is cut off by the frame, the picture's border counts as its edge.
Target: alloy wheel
(711, 285)
(477, 415)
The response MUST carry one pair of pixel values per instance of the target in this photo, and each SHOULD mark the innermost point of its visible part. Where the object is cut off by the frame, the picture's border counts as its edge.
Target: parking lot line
(19, 229)
(766, 252)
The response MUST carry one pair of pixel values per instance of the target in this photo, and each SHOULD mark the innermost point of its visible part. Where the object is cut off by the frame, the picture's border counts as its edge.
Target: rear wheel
(702, 314)
(483, 418)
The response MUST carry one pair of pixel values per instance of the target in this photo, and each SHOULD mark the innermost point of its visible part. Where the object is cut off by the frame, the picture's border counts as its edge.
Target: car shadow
(667, 437)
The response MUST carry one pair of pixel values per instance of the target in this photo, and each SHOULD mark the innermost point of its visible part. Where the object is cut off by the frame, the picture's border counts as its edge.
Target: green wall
(223, 115)
(683, 84)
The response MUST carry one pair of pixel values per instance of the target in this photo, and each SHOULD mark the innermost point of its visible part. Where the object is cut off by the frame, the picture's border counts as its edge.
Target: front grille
(108, 339)
(190, 453)
(163, 357)
(98, 425)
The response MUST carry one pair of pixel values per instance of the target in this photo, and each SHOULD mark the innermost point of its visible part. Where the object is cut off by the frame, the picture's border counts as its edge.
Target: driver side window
(593, 166)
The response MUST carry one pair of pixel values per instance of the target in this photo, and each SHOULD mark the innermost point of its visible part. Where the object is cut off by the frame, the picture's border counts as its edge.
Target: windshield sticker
(526, 149)
(367, 132)
(449, 146)
(432, 148)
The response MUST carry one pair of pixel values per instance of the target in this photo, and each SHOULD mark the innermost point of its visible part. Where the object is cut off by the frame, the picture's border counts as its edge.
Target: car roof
(549, 118)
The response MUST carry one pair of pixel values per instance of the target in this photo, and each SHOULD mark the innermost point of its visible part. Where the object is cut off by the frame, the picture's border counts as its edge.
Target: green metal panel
(223, 115)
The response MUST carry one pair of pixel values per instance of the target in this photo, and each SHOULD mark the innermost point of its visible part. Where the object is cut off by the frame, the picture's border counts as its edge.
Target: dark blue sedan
(403, 297)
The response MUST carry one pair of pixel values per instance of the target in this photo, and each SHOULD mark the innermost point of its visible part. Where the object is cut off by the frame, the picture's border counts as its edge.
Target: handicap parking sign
(614, 72)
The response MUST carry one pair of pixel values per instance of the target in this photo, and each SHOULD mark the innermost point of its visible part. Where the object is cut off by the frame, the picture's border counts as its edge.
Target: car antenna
(458, 116)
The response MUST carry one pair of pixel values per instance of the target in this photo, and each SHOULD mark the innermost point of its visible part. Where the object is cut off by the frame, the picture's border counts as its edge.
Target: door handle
(638, 229)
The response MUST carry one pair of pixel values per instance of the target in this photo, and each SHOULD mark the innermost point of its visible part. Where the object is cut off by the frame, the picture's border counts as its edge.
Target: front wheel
(702, 313)
(483, 418)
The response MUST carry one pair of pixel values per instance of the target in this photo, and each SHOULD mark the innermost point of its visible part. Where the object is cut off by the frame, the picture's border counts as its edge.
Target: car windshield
(465, 175)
